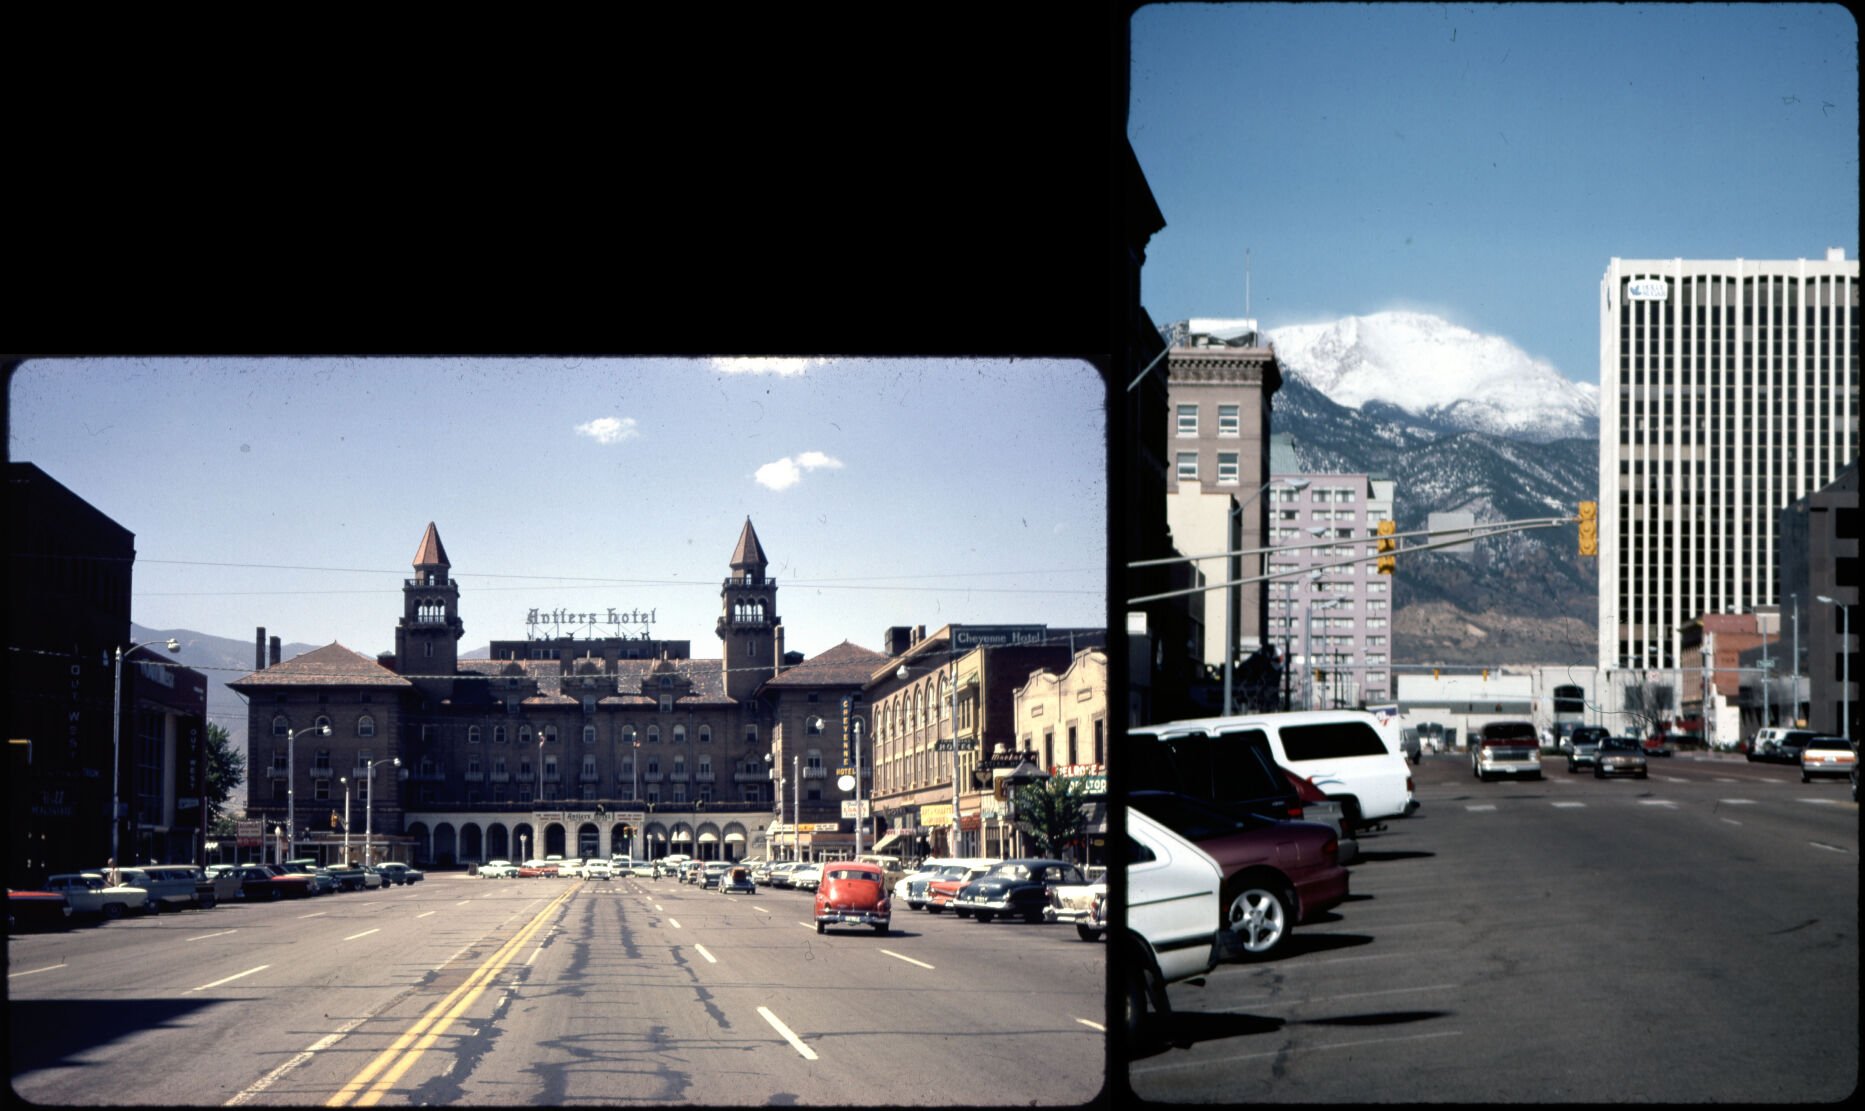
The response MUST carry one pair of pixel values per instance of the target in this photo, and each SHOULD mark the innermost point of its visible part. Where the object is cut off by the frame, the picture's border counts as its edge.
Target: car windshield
(1830, 742)
(848, 874)
(1618, 743)
(1010, 871)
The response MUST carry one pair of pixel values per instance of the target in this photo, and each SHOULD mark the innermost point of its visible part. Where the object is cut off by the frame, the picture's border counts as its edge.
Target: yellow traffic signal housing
(1589, 528)
(1387, 545)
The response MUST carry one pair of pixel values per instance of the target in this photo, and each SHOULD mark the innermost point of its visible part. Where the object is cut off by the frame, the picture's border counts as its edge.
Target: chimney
(259, 650)
(272, 652)
(896, 640)
(386, 659)
(777, 662)
(919, 633)
(1835, 254)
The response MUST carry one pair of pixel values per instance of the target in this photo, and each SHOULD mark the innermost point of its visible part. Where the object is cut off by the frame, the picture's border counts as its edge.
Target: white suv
(1345, 753)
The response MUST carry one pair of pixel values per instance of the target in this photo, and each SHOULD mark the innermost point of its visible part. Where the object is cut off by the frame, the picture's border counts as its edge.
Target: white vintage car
(88, 893)
(1075, 902)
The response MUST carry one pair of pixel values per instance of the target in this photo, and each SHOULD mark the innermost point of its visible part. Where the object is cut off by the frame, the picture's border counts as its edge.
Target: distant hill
(222, 660)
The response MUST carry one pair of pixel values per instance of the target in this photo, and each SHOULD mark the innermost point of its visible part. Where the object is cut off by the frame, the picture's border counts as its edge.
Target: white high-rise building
(1728, 389)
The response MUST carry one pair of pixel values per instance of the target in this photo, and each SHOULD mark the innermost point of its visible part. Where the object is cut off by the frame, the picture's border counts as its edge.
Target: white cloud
(608, 430)
(765, 365)
(787, 472)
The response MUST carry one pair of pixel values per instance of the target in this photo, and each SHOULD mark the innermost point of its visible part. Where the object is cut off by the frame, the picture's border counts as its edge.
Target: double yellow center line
(395, 1061)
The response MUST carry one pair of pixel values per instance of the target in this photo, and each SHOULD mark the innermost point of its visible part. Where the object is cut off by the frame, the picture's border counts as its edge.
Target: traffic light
(334, 823)
(1589, 528)
(1387, 545)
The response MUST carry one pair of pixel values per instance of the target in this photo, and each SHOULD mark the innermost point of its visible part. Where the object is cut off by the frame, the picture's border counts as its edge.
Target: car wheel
(880, 929)
(1644, 775)
(1572, 767)
(983, 915)
(1086, 933)
(1134, 1016)
(1599, 773)
(1805, 778)
(933, 908)
(1035, 919)
(113, 910)
(1259, 914)
(819, 927)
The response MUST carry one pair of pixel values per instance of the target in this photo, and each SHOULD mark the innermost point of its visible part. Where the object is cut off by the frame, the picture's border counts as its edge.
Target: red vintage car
(942, 892)
(853, 892)
(1276, 874)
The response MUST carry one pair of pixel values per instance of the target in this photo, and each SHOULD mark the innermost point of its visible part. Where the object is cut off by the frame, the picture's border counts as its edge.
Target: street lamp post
(1845, 664)
(345, 780)
(796, 807)
(369, 807)
(1309, 638)
(291, 785)
(116, 744)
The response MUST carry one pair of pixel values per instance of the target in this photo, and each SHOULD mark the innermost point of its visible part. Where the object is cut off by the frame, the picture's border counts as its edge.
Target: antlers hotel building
(581, 747)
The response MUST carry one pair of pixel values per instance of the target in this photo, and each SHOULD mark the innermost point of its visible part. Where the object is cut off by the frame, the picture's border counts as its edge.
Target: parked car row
(104, 894)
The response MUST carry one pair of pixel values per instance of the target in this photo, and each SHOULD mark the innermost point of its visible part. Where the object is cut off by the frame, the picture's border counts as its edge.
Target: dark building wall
(68, 608)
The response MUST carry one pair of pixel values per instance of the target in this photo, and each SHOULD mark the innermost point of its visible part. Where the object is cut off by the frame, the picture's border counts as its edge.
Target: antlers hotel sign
(612, 617)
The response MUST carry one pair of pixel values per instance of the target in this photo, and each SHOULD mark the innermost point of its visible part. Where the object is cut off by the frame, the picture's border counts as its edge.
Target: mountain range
(1460, 422)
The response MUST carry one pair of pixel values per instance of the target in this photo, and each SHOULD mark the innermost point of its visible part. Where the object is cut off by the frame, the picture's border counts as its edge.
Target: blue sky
(292, 493)
(1483, 162)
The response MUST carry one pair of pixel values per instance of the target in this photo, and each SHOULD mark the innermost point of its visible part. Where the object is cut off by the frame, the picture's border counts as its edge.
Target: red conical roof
(430, 553)
(749, 554)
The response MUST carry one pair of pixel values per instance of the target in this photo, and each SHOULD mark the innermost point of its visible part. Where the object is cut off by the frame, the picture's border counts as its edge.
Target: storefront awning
(682, 835)
(708, 838)
(1094, 817)
(882, 845)
(734, 837)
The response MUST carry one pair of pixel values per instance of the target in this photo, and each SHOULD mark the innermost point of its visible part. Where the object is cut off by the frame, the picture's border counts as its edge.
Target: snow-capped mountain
(1439, 375)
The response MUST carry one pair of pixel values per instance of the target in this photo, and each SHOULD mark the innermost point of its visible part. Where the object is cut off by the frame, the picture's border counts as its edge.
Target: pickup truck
(1509, 749)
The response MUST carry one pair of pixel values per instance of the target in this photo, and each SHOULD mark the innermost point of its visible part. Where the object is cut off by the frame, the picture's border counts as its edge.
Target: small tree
(1051, 813)
(226, 770)
(1648, 704)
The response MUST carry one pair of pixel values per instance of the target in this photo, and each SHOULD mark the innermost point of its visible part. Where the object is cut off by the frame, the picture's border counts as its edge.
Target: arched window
(322, 723)
(548, 733)
(498, 734)
(628, 734)
(679, 734)
(472, 734)
(366, 726)
(813, 726)
(654, 734)
(589, 734)
(524, 734)
(280, 726)
(705, 734)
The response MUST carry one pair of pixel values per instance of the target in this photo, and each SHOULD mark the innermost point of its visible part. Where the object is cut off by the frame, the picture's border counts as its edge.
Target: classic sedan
(1277, 875)
(1834, 756)
(853, 892)
(498, 870)
(36, 910)
(396, 872)
(1017, 888)
(1620, 756)
(89, 894)
(806, 877)
(943, 893)
(1077, 904)
(737, 881)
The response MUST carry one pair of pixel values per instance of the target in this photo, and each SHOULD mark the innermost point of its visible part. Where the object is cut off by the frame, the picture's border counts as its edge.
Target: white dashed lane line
(796, 1042)
(909, 960)
(710, 959)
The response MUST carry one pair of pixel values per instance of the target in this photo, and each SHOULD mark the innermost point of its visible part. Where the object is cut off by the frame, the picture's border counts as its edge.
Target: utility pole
(1793, 717)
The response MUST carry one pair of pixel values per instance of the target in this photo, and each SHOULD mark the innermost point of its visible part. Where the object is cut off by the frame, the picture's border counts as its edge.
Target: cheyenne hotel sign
(538, 620)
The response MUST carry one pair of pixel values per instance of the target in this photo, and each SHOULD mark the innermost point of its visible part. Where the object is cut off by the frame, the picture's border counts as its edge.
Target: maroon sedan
(1276, 874)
